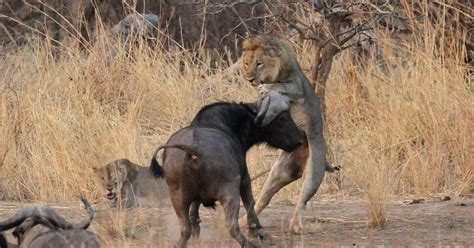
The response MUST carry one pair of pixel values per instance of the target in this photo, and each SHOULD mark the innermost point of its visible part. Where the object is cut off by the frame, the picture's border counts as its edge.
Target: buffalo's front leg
(231, 211)
(247, 198)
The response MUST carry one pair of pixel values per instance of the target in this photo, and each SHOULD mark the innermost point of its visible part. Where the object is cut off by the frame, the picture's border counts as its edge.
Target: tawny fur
(270, 63)
(271, 50)
(128, 184)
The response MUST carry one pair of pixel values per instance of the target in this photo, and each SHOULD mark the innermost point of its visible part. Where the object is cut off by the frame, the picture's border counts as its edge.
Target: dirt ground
(329, 222)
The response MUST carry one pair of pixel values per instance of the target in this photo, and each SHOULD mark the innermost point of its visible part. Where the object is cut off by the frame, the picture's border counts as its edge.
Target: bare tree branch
(221, 7)
(330, 26)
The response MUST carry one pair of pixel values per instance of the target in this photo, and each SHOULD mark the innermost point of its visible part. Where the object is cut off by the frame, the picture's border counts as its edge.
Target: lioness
(270, 63)
(129, 185)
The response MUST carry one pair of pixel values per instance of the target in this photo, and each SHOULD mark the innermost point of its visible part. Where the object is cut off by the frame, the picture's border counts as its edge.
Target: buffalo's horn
(272, 105)
(51, 215)
(17, 219)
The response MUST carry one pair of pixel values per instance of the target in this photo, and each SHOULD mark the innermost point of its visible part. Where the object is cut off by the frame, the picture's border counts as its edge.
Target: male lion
(270, 63)
(129, 185)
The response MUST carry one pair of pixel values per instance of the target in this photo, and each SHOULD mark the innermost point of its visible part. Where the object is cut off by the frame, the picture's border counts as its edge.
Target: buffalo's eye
(284, 118)
(259, 64)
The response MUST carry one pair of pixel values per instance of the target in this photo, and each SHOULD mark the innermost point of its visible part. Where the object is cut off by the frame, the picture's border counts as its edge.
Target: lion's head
(267, 60)
(115, 175)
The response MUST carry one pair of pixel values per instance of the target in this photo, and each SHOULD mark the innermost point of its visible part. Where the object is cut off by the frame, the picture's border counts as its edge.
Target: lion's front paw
(263, 89)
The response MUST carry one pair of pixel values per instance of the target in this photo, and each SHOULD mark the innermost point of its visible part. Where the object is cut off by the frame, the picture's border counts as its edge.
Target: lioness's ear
(132, 171)
(95, 169)
(122, 170)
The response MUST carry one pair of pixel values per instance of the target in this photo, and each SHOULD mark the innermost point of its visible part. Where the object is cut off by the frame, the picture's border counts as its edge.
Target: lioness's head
(116, 174)
(267, 60)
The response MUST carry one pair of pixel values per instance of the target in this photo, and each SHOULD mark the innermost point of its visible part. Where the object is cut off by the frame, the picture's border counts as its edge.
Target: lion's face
(117, 177)
(260, 66)
(112, 177)
(267, 60)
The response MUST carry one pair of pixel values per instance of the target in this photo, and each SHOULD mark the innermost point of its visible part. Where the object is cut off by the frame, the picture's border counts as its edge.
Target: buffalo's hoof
(195, 227)
(250, 244)
(261, 234)
(195, 231)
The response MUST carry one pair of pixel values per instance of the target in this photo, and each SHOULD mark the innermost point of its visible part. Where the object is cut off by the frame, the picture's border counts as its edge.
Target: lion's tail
(156, 169)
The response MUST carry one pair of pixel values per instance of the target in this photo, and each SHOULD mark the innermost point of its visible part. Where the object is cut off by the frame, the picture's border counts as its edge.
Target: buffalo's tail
(156, 169)
(3, 241)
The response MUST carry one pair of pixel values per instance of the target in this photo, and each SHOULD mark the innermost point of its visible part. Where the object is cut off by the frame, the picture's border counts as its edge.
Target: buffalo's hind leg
(182, 210)
(194, 219)
(231, 210)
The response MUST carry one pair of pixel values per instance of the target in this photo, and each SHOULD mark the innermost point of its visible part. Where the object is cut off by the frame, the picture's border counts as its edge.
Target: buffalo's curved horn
(49, 214)
(52, 216)
(17, 219)
(272, 105)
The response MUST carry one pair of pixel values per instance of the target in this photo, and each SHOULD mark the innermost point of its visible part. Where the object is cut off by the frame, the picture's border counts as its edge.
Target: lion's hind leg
(313, 176)
(288, 168)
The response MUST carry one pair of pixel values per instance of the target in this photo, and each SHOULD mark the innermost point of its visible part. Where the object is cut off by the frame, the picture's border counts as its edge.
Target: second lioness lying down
(129, 185)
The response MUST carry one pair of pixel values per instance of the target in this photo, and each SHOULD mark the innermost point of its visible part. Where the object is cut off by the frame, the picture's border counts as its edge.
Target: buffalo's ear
(252, 107)
(271, 106)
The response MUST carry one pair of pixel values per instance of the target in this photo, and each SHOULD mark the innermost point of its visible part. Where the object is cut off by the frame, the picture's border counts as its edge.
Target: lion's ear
(272, 50)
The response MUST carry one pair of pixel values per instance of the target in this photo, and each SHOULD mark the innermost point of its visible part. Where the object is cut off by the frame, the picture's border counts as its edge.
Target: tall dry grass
(62, 116)
(406, 130)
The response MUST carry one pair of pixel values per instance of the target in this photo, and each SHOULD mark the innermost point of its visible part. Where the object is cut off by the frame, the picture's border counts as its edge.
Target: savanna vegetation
(399, 125)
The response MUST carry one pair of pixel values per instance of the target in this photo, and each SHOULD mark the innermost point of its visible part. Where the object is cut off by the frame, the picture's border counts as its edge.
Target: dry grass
(404, 131)
(122, 228)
